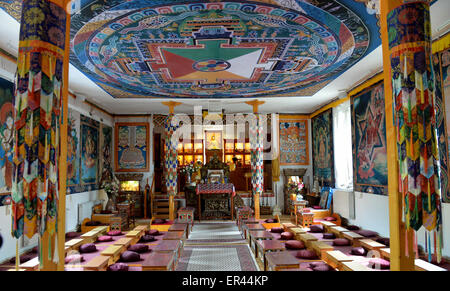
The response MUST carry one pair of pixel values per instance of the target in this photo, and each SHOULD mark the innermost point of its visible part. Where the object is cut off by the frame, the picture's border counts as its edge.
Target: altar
(215, 201)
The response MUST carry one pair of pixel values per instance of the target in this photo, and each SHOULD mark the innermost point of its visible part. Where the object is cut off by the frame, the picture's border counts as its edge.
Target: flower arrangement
(111, 186)
(191, 168)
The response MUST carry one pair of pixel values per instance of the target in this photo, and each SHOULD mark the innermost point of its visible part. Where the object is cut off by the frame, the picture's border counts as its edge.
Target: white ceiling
(368, 66)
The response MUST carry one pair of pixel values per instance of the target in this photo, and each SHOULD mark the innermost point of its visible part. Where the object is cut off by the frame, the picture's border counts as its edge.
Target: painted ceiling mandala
(219, 49)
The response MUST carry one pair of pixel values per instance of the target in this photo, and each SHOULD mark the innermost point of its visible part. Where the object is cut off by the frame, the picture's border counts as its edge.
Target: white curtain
(342, 127)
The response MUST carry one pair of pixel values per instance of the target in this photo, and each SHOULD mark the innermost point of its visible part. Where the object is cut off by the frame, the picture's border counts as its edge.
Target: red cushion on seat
(147, 238)
(306, 254)
(270, 220)
(316, 228)
(328, 235)
(316, 207)
(138, 248)
(72, 234)
(330, 218)
(287, 235)
(73, 259)
(322, 268)
(352, 227)
(384, 240)
(358, 251)
(341, 242)
(276, 229)
(104, 238)
(130, 256)
(294, 245)
(379, 263)
(88, 248)
(159, 221)
(152, 232)
(367, 233)
(114, 232)
(118, 267)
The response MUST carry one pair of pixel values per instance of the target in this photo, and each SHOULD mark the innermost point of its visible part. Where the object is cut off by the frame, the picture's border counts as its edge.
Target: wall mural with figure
(6, 140)
(131, 147)
(322, 148)
(294, 142)
(89, 151)
(369, 141)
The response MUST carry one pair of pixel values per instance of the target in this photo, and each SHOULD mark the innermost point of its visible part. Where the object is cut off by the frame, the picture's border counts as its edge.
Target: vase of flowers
(111, 188)
(188, 170)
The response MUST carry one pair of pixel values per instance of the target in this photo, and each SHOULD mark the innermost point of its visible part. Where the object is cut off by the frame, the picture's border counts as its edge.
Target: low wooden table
(98, 263)
(169, 246)
(135, 235)
(266, 246)
(307, 238)
(338, 230)
(142, 227)
(252, 227)
(385, 253)
(287, 226)
(74, 244)
(124, 241)
(371, 244)
(277, 261)
(354, 266)
(321, 248)
(328, 224)
(113, 252)
(159, 262)
(175, 235)
(336, 258)
(353, 237)
(90, 236)
(31, 265)
(258, 235)
(245, 223)
(421, 265)
(180, 227)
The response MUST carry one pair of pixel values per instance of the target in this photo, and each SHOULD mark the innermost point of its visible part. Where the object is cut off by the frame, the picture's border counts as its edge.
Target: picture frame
(131, 147)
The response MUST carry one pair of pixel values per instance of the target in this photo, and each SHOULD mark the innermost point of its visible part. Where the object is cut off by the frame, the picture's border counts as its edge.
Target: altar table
(214, 189)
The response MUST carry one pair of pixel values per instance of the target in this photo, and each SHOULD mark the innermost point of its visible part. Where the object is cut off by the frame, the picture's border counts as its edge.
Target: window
(343, 164)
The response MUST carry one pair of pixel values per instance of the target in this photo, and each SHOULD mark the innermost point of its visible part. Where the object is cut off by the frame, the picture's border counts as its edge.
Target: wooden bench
(353, 237)
(371, 244)
(307, 238)
(113, 253)
(252, 227)
(327, 225)
(135, 235)
(297, 231)
(338, 230)
(421, 265)
(180, 227)
(124, 241)
(321, 248)
(277, 261)
(101, 229)
(98, 263)
(159, 262)
(142, 227)
(256, 235)
(354, 266)
(90, 236)
(169, 246)
(336, 258)
(73, 244)
(266, 246)
(245, 224)
(287, 226)
(385, 253)
(31, 265)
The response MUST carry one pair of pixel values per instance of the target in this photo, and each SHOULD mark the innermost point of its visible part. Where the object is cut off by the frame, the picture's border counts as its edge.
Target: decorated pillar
(409, 84)
(171, 158)
(40, 101)
(256, 155)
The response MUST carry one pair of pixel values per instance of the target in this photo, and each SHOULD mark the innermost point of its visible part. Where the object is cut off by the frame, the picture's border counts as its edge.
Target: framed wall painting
(131, 147)
(370, 173)
(73, 149)
(322, 148)
(6, 140)
(89, 156)
(293, 141)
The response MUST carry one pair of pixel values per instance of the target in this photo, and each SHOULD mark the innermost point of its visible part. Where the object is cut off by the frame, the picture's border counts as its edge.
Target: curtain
(343, 146)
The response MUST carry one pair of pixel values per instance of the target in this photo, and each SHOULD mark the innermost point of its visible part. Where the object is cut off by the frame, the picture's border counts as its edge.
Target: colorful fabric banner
(37, 118)
(170, 156)
(256, 154)
(322, 148)
(413, 88)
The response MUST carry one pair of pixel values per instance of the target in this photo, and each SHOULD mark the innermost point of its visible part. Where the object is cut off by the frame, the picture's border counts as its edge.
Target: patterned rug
(217, 258)
(215, 232)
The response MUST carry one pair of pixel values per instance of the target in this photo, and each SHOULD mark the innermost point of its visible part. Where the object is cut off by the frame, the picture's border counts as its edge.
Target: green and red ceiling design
(219, 49)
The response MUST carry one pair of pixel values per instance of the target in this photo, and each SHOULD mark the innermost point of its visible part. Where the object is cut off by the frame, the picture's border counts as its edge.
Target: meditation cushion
(75, 258)
(381, 263)
(358, 251)
(118, 267)
(152, 232)
(72, 234)
(322, 268)
(367, 233)
(34, 250)
(93, 223)
(329, 235)
(130, 256)
(317, 207)
(138, 248)
(341, 242)
(270, 220)
(383, 240)
(114, 233)
(316, 228)
(294, 245)
(287, 235)
(306, 254)
(88, 248)
(330, 218)
(104, 238)
(353, 227)
(23, 258)
(147, 238)
(276, 229)
(159, 221)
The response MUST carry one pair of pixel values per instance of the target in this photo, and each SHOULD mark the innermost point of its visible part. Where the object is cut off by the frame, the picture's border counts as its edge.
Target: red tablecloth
(216, 189)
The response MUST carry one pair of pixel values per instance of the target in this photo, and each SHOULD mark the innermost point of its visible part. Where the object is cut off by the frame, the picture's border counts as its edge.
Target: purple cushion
(277, 230)
(104, 238)
(317, 228)
(130, 256)
(147, 238)
(118, 267)
(23, 258)
(329, 235)
(152, 232)
(88, 248)
(159, 221)
(270, 220)
(353, 227)
(358, 251)
(72, 234)
(384, 240)
(93, 223)
(138, 248)
(287, 235)
(294, 245)
(379, 263)
(75, 258)
(322, 268)
(316, 207)
(306, 254)
(341, 242)
(330, 218)
(367, 233)
(114, 233)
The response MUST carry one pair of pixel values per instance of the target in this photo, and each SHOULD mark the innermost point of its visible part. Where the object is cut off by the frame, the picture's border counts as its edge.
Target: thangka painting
(322, 148)
(293, 142)
(131, 147)
(89, 162)
(73, 151)
(441, 66)
(219, 49)
(213, 140)
(106, 147)
(6, 140)
(369, 141)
